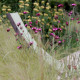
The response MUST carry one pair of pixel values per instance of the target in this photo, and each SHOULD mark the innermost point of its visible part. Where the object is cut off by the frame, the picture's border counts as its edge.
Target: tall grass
(21, 64)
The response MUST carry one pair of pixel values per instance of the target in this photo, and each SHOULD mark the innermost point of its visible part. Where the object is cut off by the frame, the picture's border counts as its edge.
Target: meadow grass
(22, 64)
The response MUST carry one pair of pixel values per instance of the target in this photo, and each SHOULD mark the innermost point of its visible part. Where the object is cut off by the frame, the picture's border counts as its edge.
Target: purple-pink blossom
(78, 22)
(8, 29)
(18, 24)
(59, 42)
(30, 43)
(26, 25)
(38, 14)
(73, 4)
(57, 37)
(60, 5)
(25, 12)
(19, 47)
(30, 22)
(67, 23)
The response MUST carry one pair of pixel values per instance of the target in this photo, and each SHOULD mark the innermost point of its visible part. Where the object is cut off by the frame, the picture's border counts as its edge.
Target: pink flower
(59, 42)
(34, 28)
(73, 4)
(51, 34)
(59, 29)
(72, 18)
(58, 21)
(55, 29)
(39, 29)
(18, 24)
(30, 25)
(36, 21)
(30, 22)
(77, 18)
(63, 40)
(78, 22)
(19, 47)
(38, 14)
(24, 12)
(57, 37)
(30, 43)
(60, 5)
(26, 25)
(67, 23)
(8, 29)
(71, 12)
(36, 31)
(56, 17)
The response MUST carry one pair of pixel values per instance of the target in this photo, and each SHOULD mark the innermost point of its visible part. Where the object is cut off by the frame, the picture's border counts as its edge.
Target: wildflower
(42, 19)
(26, 5)
(50, 30)
(51, 34)
(38, 14)
(73, 4)
(59, 42)
(18, 24)
(55, 29)
(19, 47)
(8, 29)
(36, 31)
(4, 16)
(42, 2)
(58, 21)
(67, 23)
(59, 29)
(78, 22)
(63, 40)
(45, 14)
(3, 9)
(72, 18)
(27, 0)
(26, 25)
(36, 22)
(34, 28)
(42, 7)
(39, 29)
(77, 18)
(56, 17)
(30, 25)
(9, 9)
(60, 5)
(30, 43)
(24, 12)
(56, 37)
(71, 12)
(30, 22)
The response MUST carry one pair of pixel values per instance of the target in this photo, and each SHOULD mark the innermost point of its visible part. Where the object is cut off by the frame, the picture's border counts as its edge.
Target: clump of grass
(23, 64)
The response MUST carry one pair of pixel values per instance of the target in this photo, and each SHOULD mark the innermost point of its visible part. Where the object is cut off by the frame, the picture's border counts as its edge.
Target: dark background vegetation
(14, 3)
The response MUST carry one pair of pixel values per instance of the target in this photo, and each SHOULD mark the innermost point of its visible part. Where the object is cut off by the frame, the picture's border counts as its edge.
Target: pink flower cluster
(36, 30)
(60, 5)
